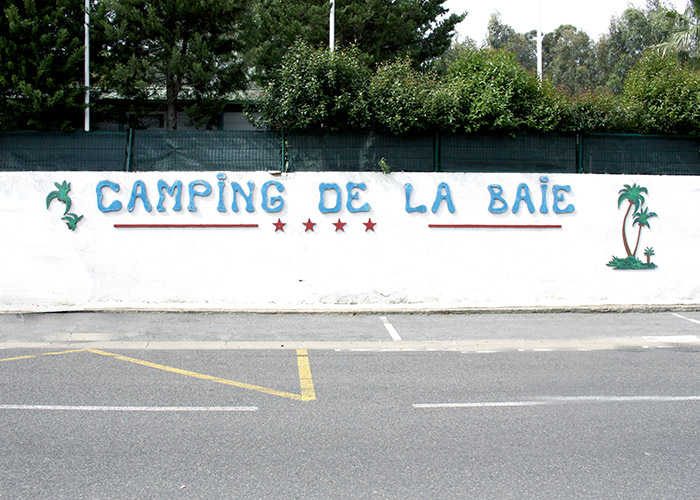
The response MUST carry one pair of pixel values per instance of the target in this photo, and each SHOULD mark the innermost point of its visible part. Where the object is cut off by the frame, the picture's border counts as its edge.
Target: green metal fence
(639, 154)
(227, 150)
(359, 151)
(50, 151)
(524, 153)
(159, 150)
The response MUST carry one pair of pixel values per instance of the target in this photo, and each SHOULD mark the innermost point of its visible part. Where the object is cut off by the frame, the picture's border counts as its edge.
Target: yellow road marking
(42, 354)
(305, 380)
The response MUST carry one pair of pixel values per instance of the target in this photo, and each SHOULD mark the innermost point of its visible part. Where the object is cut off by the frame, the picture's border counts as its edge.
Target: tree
(504, 37)
(179, 49)
(386, 29)
(382, 30)
(641, 219)
(662, 96)
(649, 252)
(635, 198)
(316, 88)
(400, 97)
(685, 39)
(596, 110)
(487, 90)
(628, 37)
(274, 26)
(41, 64)
(568, 59)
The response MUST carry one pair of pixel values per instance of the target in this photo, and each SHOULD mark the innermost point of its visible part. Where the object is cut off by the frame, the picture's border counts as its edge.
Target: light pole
(331, 35)
(539, 46)
(87, 66)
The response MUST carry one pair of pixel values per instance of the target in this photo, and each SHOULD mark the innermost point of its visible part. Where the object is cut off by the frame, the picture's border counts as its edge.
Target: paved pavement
(485, 406)
(153, 329)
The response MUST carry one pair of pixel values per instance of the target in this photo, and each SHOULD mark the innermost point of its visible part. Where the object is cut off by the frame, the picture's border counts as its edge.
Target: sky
(591, 16)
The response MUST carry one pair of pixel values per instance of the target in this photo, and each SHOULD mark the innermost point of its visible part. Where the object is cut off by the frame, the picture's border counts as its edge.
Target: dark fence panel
(359, 151)
(156, 150)
(640, 154)
(52, 151)
(524, 153)
(189, 150)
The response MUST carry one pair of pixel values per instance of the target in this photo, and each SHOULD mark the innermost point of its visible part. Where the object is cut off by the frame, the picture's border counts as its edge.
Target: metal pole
(331, 35)
(87, 66)
(540, 35)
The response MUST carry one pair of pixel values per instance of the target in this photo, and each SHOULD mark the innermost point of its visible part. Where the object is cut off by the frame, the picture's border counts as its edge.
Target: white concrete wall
(402, 264)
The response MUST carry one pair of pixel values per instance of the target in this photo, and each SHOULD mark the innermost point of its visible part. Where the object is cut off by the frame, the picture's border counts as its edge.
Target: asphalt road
(562, 406)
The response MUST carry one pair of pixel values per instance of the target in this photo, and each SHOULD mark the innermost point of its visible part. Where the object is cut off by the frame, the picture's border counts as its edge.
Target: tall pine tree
(187, 52)
(41, 64)
(382, 30)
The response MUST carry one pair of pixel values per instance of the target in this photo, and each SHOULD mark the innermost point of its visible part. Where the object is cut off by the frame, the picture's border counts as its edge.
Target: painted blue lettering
(523, 194)
(356, 196)
(222, 184)
(443, 194)
(495, 190)
(193, 192)
(277, 201)
(408, 188)
(116, 205)
(237, 189)
(171, 190)
(543, 207)
(559, 198)
(138, 191)
(323, 187)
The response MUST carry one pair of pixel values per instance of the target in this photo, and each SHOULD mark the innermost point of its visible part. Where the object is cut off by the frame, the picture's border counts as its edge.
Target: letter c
(116, 205)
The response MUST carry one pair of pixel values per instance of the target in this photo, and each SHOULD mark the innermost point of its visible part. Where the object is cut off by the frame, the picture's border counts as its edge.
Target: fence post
(579, 140)
(284, 153)
(129, 149)
(436, 153)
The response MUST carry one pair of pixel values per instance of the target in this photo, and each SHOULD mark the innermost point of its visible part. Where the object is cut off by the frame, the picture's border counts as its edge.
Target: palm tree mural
(649, 252)
(641, 218)
(634, 195)
(635, 198)
(62, 195)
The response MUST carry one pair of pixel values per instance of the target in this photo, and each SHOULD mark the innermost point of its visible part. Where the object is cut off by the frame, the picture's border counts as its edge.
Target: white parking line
(687, 319)
(489, 404)
(677, 339)
(131, 408)
(558, 400)
(390, 328)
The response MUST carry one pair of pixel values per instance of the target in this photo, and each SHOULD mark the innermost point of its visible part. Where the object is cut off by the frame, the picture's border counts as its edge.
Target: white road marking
(390, 328)
(480, 405)
(687, 319)
(617, 399)
(557, 400)
(679, 339)
(131, 408)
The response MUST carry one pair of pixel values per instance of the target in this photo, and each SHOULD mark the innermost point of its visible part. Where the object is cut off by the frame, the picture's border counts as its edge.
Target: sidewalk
(462, 332)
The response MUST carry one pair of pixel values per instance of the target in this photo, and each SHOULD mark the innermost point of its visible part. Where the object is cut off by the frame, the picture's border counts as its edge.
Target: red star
(369, 225)
(339, 226)
(279, 225)
(309, 225)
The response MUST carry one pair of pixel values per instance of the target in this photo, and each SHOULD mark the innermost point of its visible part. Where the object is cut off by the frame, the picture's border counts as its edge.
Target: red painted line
(495, 226)
(183, 226)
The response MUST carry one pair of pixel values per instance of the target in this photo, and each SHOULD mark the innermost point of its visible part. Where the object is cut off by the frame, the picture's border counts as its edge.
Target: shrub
(663, 97)
(400, 97)
(487, 90)
(317, 88)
